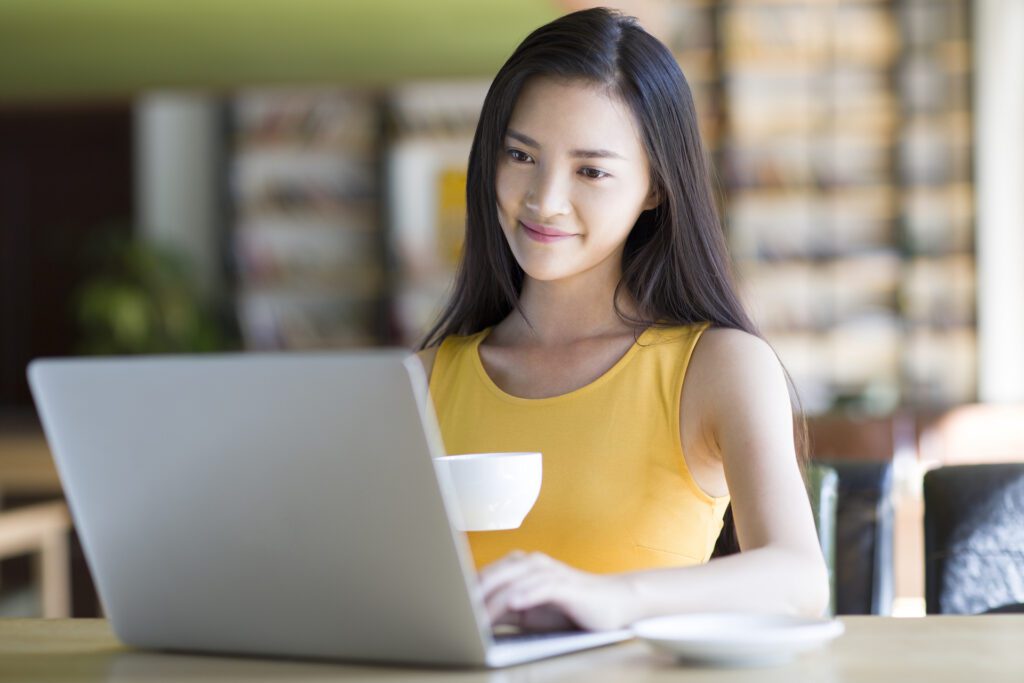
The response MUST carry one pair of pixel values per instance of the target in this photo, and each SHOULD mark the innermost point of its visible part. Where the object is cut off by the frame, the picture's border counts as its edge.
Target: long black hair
(675, 264)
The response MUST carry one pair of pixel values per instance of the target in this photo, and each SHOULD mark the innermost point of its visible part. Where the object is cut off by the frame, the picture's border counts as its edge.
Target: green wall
(73, 49)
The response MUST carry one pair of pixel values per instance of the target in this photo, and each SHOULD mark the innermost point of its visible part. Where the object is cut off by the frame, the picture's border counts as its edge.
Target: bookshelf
(430, 133)
(307, 241)
(937, 212)
(841, 133)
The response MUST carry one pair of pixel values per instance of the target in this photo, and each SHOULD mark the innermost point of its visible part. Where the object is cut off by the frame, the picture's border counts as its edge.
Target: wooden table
(873, 650)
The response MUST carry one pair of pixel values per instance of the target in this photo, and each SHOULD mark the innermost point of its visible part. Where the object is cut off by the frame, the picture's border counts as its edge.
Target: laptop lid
(262, 503)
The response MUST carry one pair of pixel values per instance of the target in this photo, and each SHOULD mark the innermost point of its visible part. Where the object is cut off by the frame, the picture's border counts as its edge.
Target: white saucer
(736, 639)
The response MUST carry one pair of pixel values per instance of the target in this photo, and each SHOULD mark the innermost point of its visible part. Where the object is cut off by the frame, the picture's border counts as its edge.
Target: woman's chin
(542, 274)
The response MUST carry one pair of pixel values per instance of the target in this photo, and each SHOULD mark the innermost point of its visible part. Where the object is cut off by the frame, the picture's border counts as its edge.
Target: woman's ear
(653, 197)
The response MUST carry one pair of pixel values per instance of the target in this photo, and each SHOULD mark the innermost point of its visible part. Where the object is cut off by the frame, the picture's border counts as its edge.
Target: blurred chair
(864, 537)
(823, 490)
(42, 528)
(974, 538)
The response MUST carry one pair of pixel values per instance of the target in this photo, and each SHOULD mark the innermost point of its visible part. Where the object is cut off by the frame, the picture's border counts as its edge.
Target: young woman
(594, 319)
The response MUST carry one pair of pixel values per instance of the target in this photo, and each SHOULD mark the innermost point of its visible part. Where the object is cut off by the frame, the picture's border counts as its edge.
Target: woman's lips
(542, 237)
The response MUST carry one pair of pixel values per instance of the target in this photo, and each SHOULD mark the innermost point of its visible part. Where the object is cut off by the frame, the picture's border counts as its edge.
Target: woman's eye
(523, 157)
(518, 155)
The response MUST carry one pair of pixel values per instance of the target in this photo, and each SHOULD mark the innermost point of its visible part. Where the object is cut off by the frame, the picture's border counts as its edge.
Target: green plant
(142, 299)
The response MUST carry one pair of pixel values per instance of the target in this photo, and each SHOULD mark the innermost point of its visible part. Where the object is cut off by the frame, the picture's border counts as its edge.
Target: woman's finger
(508, 619)
(509, 569)
(537, 589)
(546, 618)
(501, 599)
(497, 601)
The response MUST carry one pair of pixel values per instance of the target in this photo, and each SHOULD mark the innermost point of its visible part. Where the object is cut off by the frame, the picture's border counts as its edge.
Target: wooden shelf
(307, 234)
(830, 159)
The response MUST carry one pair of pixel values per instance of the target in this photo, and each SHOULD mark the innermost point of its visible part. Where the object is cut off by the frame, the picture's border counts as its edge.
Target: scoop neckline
(604, 378)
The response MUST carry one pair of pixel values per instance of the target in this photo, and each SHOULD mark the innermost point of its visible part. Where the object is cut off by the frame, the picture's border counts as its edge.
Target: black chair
(974, 538)
(823, 491)
(864, 537)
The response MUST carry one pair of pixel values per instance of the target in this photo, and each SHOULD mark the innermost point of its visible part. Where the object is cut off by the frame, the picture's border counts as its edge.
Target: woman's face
(573, 166)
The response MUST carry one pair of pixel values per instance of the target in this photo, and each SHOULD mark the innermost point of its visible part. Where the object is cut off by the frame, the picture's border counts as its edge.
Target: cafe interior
(199, 177)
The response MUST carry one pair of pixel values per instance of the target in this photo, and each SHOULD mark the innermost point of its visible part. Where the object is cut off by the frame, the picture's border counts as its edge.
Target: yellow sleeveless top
(616, 494)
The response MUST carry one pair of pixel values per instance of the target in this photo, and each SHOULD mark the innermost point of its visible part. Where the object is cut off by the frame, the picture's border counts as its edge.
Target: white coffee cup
(490, 491)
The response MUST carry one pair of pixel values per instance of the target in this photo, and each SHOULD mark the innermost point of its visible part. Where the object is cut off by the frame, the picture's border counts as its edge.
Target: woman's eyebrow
(578, 153)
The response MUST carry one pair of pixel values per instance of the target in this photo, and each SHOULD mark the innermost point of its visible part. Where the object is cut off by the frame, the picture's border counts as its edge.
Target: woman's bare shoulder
(726, 346)
(732, 368)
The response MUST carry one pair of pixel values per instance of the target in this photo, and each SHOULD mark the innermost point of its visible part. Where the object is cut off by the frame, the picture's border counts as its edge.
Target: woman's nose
(548, 195)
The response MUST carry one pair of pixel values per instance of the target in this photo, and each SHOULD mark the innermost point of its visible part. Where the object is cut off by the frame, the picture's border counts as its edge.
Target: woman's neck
(566, 311)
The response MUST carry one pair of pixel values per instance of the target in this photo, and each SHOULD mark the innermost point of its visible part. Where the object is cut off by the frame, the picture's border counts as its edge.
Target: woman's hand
(538, 593)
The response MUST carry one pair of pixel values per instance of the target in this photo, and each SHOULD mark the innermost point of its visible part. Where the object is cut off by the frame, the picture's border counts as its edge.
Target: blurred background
(198, 176)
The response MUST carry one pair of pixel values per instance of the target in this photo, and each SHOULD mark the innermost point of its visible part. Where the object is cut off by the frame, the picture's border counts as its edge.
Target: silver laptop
(272, 504)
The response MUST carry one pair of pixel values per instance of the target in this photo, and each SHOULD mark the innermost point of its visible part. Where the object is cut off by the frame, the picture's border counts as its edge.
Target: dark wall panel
(65, 176)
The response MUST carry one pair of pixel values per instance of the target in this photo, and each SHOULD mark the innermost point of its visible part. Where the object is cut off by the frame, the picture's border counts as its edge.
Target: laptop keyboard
(531, 637)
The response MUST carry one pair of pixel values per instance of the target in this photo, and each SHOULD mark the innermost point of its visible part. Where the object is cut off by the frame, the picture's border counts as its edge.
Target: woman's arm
(747, 419)
(746, 413)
